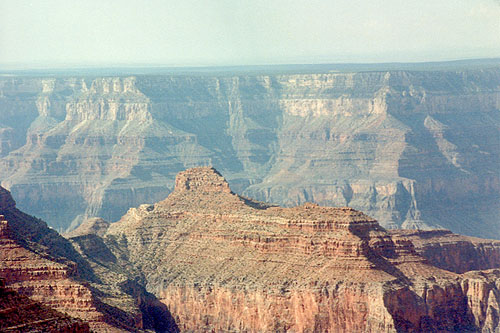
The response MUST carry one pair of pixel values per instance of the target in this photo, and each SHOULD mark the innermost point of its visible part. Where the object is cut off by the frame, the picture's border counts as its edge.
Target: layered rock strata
(453, 252)
(38, 263)
(223, 262)
(413, 149)
(207, 259)
(21, 314)
(49, 282)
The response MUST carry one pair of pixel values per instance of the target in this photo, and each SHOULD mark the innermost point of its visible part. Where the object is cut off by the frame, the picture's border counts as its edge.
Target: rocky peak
(6, 200)
(323, 262)
(202, 180)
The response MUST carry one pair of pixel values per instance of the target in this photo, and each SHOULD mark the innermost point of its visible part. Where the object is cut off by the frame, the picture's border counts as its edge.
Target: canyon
(207, 259)
(413, 148)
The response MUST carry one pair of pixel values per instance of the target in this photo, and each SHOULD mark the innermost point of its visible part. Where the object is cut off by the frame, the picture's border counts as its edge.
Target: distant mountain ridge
(414, 149)
(158, 69)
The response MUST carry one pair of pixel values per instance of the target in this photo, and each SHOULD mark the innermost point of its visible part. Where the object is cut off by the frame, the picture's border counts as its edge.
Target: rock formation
(21, 314)
(413, 149)
(92, 226)
(207, 259)
(38, 263)
(453, 252)
(223, 262)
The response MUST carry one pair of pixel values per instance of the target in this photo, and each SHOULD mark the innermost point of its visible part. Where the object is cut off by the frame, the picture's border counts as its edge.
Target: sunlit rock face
(223, 262)
(20, 313)
(413, 149)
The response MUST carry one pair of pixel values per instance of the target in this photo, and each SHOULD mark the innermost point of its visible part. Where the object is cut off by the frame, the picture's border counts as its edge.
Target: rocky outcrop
(6, 201)
(483, 298)
(38, 263)
(223, 262)
(453, 252)
(92, 226)
(201, 180)
(413, 149)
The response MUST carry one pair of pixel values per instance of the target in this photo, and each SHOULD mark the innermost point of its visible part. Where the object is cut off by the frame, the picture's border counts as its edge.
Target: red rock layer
(21, 314)
(46, 281)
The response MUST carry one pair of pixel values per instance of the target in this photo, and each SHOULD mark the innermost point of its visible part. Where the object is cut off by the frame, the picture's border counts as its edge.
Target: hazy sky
(239, 32)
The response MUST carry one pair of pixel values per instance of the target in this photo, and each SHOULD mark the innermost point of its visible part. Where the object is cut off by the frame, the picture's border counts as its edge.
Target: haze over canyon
(413, 148)
(250, 166)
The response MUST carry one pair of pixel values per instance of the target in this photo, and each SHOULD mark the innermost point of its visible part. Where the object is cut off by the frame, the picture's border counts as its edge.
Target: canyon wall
(453, 252)
(413, 149)
(21, 314)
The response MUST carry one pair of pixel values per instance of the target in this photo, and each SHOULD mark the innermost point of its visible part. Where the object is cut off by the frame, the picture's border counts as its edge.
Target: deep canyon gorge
(411, 148)
(273, 199)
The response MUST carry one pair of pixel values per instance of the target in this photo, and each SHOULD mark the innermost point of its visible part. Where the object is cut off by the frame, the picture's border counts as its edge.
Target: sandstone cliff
(38, 263)
(21, 314)
(207, 259)
(223, 262)
(413, 149)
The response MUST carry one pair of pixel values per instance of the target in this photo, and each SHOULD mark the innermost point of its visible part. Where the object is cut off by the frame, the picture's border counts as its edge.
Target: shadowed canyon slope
(413, 149)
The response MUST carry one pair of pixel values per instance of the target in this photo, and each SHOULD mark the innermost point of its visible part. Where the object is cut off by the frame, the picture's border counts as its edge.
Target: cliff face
(207, 259)
(38, 263)
(45, 281)
(412, 149)
(21, 314)
(223, 262)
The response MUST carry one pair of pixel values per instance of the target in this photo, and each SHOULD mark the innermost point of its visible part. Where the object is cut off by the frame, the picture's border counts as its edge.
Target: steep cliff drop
(223, 262)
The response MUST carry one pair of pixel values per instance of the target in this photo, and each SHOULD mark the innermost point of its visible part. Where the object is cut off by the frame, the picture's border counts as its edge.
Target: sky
(244, 32)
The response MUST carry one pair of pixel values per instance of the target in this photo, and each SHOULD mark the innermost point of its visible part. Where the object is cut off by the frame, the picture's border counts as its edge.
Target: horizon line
(12, 66)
